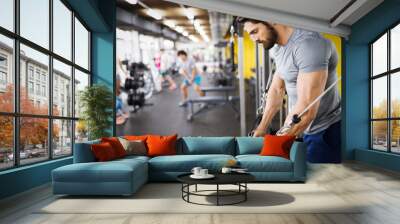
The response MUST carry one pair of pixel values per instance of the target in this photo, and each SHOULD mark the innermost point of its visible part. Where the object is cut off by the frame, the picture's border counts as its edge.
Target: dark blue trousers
(324, 147)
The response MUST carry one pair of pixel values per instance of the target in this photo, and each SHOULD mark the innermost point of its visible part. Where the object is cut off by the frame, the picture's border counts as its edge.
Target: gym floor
(165, 117)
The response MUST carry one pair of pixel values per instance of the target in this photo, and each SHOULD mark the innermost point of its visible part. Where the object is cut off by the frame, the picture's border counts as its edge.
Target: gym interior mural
(179, 70)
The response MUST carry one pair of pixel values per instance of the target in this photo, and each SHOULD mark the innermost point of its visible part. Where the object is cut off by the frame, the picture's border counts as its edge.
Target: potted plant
(96, 103)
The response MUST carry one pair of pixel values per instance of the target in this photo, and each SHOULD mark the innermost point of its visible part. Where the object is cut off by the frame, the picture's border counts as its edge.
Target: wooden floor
(377, 188)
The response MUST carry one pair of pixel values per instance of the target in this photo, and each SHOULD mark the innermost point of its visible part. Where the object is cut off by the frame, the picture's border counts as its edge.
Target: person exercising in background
(305, 67)
(165, 65)
(187, 69)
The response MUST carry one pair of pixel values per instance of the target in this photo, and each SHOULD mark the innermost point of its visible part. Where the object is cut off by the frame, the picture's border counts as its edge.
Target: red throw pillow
(277, 145)
(161, 145)
(103, 152)
(116, 145)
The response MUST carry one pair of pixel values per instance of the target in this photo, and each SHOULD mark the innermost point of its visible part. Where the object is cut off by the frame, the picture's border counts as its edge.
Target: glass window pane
(395, 47)
(379, 56)
(62, 138)
(34, 80)
(81, 131)
(81, 45)
(6, 74)
(379, 98)
(7, 14)
(35, 21)
(62, 89)
(62, 29)
(379, 135)
(33, 140)
(81, 81)
(6, 142)
(395, 95)
(395, 136)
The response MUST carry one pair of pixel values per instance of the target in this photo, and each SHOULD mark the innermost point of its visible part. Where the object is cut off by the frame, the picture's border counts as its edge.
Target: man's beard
(271, 40)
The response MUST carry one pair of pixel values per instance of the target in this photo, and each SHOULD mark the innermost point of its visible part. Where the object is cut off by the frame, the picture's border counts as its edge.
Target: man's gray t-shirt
(188, 66)
(306, 52)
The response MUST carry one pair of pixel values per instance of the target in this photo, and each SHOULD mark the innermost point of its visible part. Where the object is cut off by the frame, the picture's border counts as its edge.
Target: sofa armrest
(83, 152)
(298, 155)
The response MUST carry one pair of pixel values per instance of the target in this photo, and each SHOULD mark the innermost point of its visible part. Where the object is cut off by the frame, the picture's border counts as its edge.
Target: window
(62, 74)
(62, 137)
(3, 72)
(30, 88)
(46, 131)
(37, 74)
(44, 91)
(7, 14)
(30, 72)
(81, 45)
(385, 96)
(6, 73)
(81, 81)
(38, 89)
(3, 78)
(6, 142)
(62, 29)
(34, 21)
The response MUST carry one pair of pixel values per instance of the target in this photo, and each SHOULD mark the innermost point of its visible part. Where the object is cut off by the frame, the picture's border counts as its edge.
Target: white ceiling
(308, 14)
(321, 9)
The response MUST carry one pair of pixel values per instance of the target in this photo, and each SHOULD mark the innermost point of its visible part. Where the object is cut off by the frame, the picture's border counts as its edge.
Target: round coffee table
(238, 179)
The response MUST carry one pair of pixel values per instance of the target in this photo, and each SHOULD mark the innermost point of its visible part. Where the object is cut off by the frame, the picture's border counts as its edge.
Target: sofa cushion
(277, 145)
(185, 163)
(135, 137)
(257, 163)
(249, 145)
(208, 145)
(83, 152)
(112, 171)
(103, 152)
(133, 158)
(134, 147)
(116, 145)
(161, 145)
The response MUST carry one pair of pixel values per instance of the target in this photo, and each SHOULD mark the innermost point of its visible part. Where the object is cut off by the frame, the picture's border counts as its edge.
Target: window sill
(25, 167)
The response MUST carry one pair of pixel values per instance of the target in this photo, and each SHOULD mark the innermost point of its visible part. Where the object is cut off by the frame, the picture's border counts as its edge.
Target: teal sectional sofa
(125, 176)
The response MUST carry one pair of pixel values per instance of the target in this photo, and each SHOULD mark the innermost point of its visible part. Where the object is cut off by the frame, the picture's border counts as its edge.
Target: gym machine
(138, 86)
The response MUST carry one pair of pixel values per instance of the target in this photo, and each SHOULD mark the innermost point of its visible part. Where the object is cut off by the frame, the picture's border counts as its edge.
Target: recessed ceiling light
(132, 2)
(179, 29)
(170, 24)
(188, 12)
(153, 13)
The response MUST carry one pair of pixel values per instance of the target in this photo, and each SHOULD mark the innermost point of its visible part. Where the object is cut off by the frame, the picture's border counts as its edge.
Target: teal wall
(99, 16)
(356, 85)
(24, 178)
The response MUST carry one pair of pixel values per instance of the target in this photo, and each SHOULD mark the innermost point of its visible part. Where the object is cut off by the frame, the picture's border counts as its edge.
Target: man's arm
(184, 73)
(272, 105)
(194, 72)
(309, 87)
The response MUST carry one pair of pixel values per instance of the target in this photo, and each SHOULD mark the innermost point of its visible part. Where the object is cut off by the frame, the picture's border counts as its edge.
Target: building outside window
(30, 87)
(38, 89)
(3, 72)
(44, 91)
(57, 129)
(385, 95)
(37, 74)
(30, 72)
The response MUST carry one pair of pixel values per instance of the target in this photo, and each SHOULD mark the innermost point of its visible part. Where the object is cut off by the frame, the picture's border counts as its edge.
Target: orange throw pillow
(161, 145)
(277, 145)
(136, 137)
(103, 152)
(116, 145)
